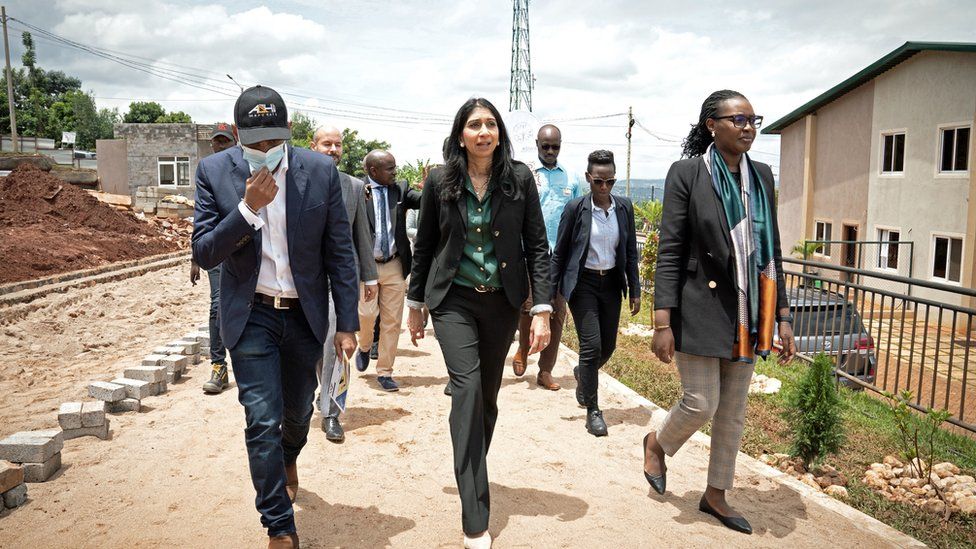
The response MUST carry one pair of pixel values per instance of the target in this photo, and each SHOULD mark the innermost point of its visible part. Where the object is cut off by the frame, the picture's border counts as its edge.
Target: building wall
(917, 96)
(147, 142)
(790, 208)
(112, 165)
(841, 163)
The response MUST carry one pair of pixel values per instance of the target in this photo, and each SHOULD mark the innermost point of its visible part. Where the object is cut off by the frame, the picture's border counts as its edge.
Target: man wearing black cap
(272, 216)
(221, 139)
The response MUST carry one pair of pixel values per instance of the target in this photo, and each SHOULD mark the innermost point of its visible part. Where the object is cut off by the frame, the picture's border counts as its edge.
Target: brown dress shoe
(519, 361)
(287, 541)
(291, 481)
(544, 379)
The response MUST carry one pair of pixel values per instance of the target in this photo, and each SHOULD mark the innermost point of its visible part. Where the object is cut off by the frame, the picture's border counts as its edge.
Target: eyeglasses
(601, 182)
(740, 120)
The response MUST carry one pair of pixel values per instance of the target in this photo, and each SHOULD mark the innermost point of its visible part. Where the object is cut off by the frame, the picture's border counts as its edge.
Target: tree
(354, 150)
(178, 117)
(144, 112)
(302, 129)
(813, 413)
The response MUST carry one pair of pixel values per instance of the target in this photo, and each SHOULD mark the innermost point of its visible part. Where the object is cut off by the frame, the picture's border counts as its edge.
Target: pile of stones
(900, 482)
(824, 479)
(13, 489)
(37, 452)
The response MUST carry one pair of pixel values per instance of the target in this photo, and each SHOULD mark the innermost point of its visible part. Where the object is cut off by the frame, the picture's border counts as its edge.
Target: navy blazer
(573, 245)
(320, 246)
(400, 198)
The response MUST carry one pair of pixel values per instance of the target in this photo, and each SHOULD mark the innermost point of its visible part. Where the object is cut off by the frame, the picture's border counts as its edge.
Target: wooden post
(10, 84)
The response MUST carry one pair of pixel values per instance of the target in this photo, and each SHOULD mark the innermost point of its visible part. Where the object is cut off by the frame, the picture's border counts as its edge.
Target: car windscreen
(825, 321)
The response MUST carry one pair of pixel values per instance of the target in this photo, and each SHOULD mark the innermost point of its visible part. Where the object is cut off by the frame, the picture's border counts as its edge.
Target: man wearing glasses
(556, 188)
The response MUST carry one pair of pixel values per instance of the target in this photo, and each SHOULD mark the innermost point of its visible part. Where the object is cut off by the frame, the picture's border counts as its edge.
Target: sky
(398, 71)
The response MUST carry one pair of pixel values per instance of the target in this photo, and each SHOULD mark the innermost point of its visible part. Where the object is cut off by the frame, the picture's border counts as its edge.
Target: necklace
(479, 190)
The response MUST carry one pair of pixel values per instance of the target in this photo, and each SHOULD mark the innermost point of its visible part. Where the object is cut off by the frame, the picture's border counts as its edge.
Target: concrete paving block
(133, 387)
(195, 358)
(11, 476)
(173, 377)
(15, 497)
(125, 405)
(109, 392)
(158, 388)
(152, 360)
(93, 414)
(190, 346)
(174, 363)
(203, 328)
(162, 350)
(69, 416)
(100, 431)
(40, 472)
(152, 374)
(31, 446)
(198, 336)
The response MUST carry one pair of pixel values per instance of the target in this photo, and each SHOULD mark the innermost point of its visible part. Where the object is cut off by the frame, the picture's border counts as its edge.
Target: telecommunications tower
(521, 83)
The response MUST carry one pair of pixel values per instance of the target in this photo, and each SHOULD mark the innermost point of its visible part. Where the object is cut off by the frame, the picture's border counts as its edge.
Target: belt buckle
(277, 303)
(481, 289)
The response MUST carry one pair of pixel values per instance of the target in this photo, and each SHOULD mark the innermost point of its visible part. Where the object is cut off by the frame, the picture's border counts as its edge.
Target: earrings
(462, 144)
(713, 134)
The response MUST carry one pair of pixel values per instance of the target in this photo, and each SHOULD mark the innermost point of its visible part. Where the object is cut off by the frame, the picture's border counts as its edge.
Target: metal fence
(890, 257)
(887, 340)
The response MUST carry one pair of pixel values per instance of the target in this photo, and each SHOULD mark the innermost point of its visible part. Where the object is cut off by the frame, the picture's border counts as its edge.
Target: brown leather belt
(389, 259)
(277, 302)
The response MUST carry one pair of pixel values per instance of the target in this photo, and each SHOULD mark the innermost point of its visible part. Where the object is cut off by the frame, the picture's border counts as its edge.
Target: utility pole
(10, 84)
(630, 126)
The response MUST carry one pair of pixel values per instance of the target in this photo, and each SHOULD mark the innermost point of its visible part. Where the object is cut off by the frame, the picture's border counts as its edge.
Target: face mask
(257, 159)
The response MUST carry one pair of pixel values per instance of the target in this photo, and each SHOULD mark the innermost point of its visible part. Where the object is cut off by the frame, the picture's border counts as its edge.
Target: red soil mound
(41, 236)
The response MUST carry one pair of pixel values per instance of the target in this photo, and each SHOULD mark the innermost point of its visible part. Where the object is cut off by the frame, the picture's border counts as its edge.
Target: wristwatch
(787, 318)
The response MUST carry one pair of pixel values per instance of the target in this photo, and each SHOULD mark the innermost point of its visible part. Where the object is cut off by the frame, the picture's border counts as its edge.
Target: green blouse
(478, 267)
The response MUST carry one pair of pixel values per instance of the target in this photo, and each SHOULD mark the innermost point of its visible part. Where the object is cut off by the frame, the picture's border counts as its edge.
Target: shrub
(813, 413)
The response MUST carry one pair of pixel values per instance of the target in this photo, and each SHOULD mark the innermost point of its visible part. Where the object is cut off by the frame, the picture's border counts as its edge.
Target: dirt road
(175, 474)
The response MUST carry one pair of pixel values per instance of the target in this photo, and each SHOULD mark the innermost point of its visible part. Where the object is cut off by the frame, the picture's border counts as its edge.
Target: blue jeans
(274, 366)
(217, 351)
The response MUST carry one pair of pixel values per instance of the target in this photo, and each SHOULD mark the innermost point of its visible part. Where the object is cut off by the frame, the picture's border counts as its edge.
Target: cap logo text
(262, 110)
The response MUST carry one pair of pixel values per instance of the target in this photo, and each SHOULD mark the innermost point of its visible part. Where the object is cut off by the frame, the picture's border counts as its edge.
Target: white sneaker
(482, 541)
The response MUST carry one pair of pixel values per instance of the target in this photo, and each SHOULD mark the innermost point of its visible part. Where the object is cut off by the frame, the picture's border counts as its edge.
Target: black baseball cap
(260, 114)
(224, 129)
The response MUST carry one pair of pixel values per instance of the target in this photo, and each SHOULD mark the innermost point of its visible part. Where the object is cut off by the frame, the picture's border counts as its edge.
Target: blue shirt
(556, 189)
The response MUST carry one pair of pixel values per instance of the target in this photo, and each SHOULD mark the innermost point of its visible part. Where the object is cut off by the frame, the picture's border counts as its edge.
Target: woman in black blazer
(594, 264)
(480, 238)
(718, 290)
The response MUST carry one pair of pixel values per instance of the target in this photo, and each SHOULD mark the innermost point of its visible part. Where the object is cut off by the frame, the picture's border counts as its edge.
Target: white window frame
(952, 174)
(175, 162)
(962, 250)
(826, 247)
(877, 258)
(881, 143)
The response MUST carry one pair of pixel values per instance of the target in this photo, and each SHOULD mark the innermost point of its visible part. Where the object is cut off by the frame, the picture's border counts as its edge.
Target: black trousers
(596, 313)
(475, 331)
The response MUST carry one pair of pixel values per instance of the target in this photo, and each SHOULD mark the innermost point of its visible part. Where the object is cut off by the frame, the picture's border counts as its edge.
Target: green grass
(871, 433)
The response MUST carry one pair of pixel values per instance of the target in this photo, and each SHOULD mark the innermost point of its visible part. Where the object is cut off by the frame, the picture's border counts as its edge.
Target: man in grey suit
(328, 140)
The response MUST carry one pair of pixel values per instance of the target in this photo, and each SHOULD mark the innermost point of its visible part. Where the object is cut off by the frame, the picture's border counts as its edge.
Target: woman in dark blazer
(480, 238)
(718, 290)
(594, 264)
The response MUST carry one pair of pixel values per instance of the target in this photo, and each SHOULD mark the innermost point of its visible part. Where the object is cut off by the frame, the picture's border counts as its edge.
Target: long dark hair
(456, 159)
(699, 138)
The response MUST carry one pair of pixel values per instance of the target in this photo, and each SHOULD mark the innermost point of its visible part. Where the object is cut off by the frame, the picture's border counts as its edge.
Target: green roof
(878, 67)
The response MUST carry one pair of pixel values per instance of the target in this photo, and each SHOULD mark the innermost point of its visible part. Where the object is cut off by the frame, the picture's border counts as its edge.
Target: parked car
(84, 155)
(823, 323)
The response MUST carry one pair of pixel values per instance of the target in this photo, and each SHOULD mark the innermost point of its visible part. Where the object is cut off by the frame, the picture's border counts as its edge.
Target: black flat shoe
(658, 482)
(579, 389)
(739, 524)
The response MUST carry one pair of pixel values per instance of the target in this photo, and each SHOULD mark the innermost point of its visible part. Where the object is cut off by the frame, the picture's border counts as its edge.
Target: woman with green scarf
(719, 290)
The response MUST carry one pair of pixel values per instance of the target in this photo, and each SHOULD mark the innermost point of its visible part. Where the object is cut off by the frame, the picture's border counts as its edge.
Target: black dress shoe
(739, 524)
(579, 388)
(447, 389)
(333, 429)
(658, 482)
(595, 424)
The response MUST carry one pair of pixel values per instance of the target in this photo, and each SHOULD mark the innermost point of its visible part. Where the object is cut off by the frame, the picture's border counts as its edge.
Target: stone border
(862, 521)
(23, 292)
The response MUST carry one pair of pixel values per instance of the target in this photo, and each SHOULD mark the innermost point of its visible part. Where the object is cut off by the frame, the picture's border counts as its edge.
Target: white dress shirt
(274, 273)
(604, 237)
(376, 189)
